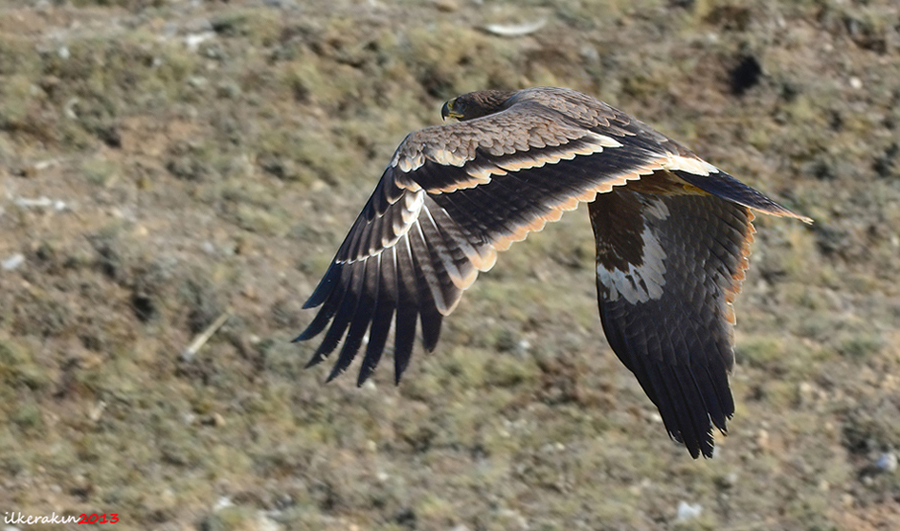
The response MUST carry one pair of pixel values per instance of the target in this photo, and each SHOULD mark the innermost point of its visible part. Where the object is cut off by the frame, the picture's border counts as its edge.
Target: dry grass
(212, 156)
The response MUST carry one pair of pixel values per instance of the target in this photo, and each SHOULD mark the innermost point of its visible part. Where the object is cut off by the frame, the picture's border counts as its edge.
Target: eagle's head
(475, 104)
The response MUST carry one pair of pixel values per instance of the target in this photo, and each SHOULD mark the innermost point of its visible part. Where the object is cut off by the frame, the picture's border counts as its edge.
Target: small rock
(194, 40)
(228, 89)
(728, 480)
(216, 420)
(762, 440)
(97, 411)
(44, 164)
(222, 503)
(589, 54)
(447, 6)
(40, 202)
(688, 511)
(522, 347)
(13, 262)
(266, 523)
(69, 108)
(63, 52)
(516, 30)
(887, 462)
(855, 83)
(806, 393)
(197, 81)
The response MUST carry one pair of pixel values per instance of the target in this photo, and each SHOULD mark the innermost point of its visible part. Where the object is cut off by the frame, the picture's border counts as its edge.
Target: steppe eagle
(673, 233)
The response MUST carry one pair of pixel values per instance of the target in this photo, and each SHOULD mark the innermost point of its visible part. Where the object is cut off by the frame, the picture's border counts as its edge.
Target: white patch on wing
(483, 172)
(603, 140)
(640, 283)
(693, 165)
(657, 209)
(413, 203)
(643, 282)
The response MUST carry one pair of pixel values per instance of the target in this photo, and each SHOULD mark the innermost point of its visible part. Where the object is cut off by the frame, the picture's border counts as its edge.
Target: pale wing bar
(410, 253)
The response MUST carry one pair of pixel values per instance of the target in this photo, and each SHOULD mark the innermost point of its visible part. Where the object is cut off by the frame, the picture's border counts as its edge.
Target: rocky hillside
(167, 164)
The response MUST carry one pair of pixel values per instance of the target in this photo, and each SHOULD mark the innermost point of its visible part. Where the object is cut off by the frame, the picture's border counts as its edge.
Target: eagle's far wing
(451, 198)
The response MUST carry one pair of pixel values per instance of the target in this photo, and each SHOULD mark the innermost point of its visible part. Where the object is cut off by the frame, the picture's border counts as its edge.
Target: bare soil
(165, 162)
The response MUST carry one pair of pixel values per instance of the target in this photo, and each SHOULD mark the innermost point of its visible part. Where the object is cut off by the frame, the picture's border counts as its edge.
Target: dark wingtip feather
(314, 328)
(342, 319)
(408, 304)
(335, 372)
(405, 335)
(378, 334)
(364, 374)
(325, 287)
(400, 364)
(361, 319)
(431, 327)
(316, 359)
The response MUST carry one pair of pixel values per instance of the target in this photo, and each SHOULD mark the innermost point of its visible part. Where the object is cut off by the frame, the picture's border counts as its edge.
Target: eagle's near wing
(672, 240)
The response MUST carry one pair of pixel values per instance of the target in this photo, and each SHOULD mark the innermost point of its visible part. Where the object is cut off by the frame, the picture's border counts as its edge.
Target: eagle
(672, 231)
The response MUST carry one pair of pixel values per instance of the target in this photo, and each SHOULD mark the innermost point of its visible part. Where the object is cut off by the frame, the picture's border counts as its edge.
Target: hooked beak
(447, 110)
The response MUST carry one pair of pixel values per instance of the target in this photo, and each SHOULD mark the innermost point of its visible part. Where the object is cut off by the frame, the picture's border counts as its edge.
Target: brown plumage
(672, 231)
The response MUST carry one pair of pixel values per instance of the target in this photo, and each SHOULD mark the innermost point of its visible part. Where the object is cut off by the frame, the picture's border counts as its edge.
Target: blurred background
(165, 164)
